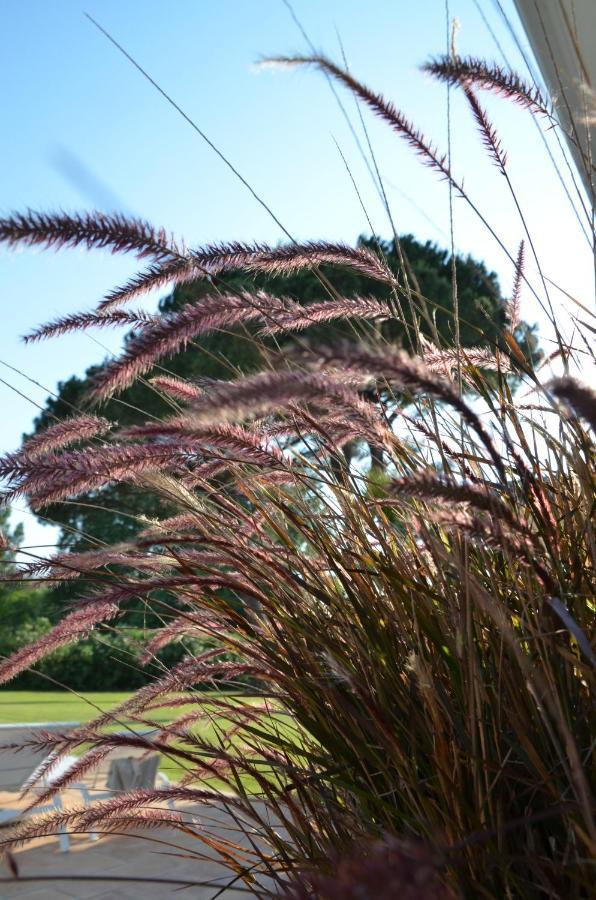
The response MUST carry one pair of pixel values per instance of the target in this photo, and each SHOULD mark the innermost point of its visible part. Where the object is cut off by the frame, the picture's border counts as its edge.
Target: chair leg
(165, 782)
(63, 837)
(92, 835)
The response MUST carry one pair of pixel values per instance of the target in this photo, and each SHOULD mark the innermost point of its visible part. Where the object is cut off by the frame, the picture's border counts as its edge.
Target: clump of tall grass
(418, 634)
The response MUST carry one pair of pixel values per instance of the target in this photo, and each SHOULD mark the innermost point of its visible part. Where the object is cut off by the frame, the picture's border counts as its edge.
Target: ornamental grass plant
(407, 631)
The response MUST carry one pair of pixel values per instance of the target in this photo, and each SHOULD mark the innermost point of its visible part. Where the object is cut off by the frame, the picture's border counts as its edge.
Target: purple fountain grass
(75, 625)
(102, 606)
(182, 626)
(395, 656)
(357, 418)
(335, 426)
(514, 306)
(234, 438)
(176, 388)
(172, 332)
(100, 814)
(182, 523)
(267, 391)
(409, 372)
(189, 673)
(383, 108)
(430, 156)
(445, 362)
(84, 320)
(488, 132)
(479, 496)
(95, 230)
(579, 397)
(317, 313)
(217, 259)
(69, 565)
(159, 275)
(194, 527)
(491, 77)
(72, 775)
(64, 434)
(53, 477)
(286, 260)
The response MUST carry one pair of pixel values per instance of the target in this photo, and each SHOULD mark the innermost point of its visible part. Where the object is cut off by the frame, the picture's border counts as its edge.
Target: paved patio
(116, 857)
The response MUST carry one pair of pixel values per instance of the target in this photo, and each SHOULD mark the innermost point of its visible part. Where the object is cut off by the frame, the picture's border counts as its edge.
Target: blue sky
(83, 129)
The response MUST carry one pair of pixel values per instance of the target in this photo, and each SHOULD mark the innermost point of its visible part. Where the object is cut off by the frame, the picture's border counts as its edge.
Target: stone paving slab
(122, 856)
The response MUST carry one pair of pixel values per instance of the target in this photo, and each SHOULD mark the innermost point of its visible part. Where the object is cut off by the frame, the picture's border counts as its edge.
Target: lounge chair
(122, 769)
(18, 768)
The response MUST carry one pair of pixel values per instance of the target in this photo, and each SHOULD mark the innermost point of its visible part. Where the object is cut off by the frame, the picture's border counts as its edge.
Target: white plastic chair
(112, 775)
(18, 768)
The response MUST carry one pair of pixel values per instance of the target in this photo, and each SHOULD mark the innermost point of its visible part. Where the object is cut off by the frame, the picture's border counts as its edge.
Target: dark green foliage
(20, 604)
(107, 661)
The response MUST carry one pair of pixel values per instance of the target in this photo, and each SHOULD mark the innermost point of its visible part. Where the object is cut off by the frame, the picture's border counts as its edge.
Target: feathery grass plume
(182, 626)
(469, 70)
(340, 423)
(445, 362)
(170, 333)
(104, 743)
(514, 305)
(63, 434)
(72, 819)
(299, 317)
(579, 397)
(69, 565)
(82, 321)
(202, 474)
(488, 133)
(189, 673)
(53, 477)
(288, 259)
(411, 372)
(174, 525)
(428, 486)
(49, 824)
(490, 531)
(73, 774)
(116, 806)
(266, 392)
(73, 627)
(383, 108)
(216, 259)
(235, 439)
(94, 230)
(94, 609)
(186, 391)
(159, 275)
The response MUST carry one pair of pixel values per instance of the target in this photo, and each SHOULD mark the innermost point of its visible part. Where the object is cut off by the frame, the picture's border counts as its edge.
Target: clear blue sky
(81, 128)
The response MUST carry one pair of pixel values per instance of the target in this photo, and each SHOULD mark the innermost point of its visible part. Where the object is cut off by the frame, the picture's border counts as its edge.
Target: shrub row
(105, 661)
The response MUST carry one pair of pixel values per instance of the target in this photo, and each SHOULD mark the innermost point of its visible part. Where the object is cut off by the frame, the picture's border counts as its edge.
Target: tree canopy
(112, 514)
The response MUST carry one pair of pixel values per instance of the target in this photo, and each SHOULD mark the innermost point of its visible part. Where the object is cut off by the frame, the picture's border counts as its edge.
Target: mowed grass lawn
(64, 706)
(56, 706)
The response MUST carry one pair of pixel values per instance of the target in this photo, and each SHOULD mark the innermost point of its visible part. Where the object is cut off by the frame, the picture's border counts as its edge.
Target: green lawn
(64, 706)
(55, 706)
